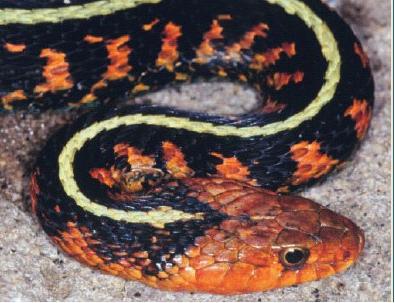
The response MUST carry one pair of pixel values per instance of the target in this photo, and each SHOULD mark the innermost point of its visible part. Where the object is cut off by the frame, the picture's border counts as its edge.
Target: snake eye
(294, 257)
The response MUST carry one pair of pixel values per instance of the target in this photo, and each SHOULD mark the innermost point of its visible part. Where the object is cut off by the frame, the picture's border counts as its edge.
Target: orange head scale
(269, 241)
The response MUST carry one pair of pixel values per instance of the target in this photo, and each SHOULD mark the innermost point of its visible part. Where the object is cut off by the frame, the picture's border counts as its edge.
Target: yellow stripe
(55, 15)
(332, 77)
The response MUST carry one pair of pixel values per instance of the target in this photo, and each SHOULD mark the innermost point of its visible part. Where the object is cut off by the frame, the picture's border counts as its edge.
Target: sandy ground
(33, 269)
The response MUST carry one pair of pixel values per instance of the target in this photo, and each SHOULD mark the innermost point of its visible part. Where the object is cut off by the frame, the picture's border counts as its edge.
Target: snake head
(269, 241)
(315, 242)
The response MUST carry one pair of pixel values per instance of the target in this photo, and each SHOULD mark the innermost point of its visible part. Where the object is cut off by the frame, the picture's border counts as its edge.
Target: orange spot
(283, 189)
(135, 157)
(206, 49)
(272, 106)
(34, 191)
(8, 99)
(248, 40)
(141, 87)
(175, 161)
(56, 72)
(181, 77)
(279, 80)
(93, 39)
(243, 78)
(361, 54)
(232, 168)
(103, 175)
(86, 99)
(311, 163)
(149, 26)
(91, 96)
(271, 56)
(14, 48)
(222, 72)
(169, 53)
(118, 53)
(361, 113)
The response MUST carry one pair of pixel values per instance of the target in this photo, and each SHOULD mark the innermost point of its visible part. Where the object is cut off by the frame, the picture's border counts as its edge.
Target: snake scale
(180, 200)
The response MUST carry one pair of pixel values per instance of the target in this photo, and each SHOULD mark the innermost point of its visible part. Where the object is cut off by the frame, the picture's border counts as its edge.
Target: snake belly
(180, 200)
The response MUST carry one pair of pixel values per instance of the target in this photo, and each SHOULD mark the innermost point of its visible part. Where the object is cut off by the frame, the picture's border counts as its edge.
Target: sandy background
(33, 269)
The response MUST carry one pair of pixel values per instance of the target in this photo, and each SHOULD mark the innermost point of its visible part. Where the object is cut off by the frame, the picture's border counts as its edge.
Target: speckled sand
(33, 269)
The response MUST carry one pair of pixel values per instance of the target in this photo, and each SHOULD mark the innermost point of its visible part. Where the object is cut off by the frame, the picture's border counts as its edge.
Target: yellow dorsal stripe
(332, 77)
(72, 12)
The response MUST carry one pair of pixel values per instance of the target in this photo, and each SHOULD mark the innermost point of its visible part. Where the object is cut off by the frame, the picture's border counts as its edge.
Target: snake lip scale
(179, 200)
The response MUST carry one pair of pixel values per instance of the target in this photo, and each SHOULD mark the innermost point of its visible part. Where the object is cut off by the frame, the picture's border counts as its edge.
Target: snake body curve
(175, 199)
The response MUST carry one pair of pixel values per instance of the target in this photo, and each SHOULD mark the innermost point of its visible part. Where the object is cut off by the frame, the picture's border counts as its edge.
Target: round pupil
(294, 256)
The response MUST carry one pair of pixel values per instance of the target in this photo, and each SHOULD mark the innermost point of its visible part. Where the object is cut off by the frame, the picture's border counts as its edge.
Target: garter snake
(182, 200)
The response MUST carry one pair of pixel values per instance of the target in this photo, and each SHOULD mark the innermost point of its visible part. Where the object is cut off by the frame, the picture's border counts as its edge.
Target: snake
(181, 200)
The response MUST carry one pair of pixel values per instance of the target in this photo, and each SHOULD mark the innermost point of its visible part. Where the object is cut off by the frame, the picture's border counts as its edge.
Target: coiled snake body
(175, 199)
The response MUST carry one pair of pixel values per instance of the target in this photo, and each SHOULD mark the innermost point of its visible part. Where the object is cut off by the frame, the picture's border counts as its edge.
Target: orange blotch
(56, 72)
(283, 189)
(271, 56)
(206, 48)
(361, 113)
(279, 80)
(222, 73)
(272, 106)
(135, 157)
(118, 53)
(141, 87)
(248, 40)
(175, 161)
(232, 168)
(103, 175)
(34, 191)
(147, 27)
(93, 39)
(14, 48)
(181, 77)
(91, 96)
(169, 52)
(243, 78)
(8, 99)
(361, 54)
(311, 163)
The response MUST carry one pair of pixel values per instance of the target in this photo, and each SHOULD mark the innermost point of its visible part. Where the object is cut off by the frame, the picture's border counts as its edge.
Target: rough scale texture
(64, 291)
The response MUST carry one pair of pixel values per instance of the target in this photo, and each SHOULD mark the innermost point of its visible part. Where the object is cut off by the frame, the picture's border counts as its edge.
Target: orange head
(270, 241)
